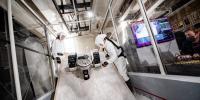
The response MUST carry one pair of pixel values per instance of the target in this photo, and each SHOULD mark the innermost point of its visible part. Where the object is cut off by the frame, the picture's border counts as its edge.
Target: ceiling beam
(73, 12)
(62, 6)
(62, 18)
(78, 20)
(74, 2)
(78, 5)
(84, 4)
(85, 28)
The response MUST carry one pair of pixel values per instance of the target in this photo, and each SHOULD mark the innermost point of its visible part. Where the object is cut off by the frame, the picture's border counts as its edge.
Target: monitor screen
(161, 29)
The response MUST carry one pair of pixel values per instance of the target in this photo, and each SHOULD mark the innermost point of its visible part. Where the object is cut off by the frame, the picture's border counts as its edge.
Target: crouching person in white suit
(115, 54)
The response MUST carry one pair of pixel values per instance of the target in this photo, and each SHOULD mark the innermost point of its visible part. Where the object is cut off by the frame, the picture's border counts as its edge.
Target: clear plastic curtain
(39, 69)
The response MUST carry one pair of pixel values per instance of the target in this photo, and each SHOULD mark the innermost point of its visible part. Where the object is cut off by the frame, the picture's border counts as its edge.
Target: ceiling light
(90, 14)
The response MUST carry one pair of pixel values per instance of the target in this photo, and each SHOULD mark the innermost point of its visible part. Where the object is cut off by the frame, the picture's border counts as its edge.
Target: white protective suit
(58, 46)
(113, 52)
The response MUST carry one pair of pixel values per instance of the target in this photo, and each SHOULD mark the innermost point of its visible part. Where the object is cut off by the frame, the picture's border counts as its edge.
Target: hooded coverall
(113, 52)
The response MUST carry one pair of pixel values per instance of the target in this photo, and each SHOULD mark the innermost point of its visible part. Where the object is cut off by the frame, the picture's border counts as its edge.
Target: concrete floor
(104, 84)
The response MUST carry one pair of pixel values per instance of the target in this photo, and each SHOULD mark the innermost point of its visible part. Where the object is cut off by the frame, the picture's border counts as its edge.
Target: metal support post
(13, 51)
(106, 16)
(153, 40)
(49, 53)
(113, 22)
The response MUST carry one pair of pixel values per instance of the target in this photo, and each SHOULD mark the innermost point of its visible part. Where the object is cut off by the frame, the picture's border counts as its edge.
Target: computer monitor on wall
(161, 29)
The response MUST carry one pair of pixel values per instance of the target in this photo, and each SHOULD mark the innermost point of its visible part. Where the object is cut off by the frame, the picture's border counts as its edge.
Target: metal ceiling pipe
(61, 16)
(37, 16)
(153, 40)
(71, 22)
(13, 52)
(75, 13)
(110, 2)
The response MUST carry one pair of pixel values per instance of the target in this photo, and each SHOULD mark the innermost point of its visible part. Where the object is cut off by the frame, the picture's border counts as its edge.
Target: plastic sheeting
(104, 84)
(141, 97)
(39, 69)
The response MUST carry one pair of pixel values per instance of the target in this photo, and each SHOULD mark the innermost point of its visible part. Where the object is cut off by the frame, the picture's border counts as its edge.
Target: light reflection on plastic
(123, 26)
(70, 44)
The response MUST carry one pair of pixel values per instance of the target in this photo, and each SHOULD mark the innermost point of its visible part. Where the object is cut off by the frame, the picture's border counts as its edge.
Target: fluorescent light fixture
(90, 14)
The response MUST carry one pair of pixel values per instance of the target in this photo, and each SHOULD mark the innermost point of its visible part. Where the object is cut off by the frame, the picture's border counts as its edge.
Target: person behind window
(192, 43)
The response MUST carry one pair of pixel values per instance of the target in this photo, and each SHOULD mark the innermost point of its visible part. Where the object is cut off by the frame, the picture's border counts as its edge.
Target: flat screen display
(161, 29)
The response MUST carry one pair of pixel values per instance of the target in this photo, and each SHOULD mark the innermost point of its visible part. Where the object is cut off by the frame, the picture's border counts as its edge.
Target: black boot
(128, 83)
(56, 81)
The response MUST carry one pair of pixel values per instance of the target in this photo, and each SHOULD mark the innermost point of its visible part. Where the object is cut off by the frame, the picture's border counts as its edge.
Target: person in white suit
(115, 54)
(58, 51)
